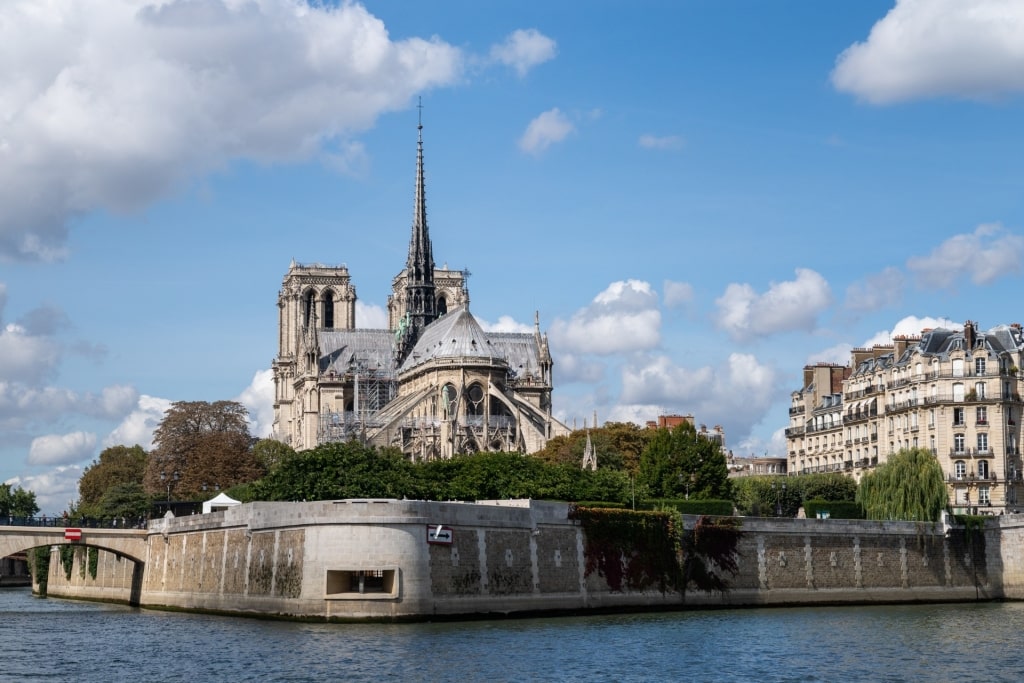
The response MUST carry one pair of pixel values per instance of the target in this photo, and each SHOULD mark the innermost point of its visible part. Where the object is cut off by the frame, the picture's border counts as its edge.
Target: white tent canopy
(221, 502)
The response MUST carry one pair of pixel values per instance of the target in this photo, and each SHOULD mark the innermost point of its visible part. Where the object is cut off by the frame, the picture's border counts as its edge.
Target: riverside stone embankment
(397, 559)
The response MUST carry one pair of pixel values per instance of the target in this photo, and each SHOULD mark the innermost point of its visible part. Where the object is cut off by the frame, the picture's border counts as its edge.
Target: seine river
(59, 640)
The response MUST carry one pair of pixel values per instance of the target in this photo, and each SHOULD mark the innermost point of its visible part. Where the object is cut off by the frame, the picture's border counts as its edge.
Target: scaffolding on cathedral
(373, 388)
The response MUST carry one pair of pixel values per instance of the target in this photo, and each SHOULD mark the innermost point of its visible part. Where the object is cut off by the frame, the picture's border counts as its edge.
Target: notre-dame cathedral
(433, 385)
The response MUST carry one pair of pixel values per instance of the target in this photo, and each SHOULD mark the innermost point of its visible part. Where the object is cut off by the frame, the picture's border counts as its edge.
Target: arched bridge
(129, 543)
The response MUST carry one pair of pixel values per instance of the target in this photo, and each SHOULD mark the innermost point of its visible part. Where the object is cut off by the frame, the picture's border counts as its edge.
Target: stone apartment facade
(956, 393)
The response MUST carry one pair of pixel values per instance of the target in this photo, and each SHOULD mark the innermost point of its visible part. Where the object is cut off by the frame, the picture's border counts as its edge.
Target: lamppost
(169, 478)
(778, 498)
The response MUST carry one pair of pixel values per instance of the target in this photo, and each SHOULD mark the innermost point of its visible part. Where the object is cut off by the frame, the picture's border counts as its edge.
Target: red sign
(72, 534)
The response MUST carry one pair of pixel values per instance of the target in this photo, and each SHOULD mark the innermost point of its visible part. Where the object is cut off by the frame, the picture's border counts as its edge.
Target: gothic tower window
(307, 309)
(442, 306)
(328, 310)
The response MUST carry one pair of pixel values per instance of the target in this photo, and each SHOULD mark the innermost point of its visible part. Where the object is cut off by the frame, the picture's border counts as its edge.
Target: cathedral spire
(421, 308)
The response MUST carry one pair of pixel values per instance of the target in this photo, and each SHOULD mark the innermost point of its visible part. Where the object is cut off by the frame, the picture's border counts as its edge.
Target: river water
(62, 640)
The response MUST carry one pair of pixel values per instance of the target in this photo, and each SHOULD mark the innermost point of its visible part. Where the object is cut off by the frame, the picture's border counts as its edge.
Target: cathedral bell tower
(421, 302)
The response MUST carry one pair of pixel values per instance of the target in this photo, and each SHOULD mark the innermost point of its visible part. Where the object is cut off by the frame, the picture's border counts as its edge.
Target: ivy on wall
(639, 550)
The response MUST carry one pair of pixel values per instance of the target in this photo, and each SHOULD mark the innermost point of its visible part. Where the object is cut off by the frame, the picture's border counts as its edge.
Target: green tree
(910, 487)
(269, 453)
(338, 470)
(200, 444)
(116, 467)
(17, 502)
(680, 463)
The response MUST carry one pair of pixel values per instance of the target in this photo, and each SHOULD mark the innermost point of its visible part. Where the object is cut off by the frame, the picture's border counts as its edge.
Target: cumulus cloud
(983, 256)
(20, 404)
(258, 399)
(786, 306)
(112, 103)
(25, 357)
(524, 49)
(928, 48)
(909, 326)
(61, 449)
(550, 127)
(624, 317)
(571, 367)
(876, 291)
(139, 425)
(738, 394)
(506, 323)
(55, 490)
(838, 354)
(370, 317)
(677, 294)
(662, 142)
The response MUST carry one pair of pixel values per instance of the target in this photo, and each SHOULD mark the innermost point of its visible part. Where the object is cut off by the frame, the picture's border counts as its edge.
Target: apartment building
(956, 393)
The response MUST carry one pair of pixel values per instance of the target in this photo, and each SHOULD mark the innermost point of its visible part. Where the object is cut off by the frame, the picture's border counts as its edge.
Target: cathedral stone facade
(432, 385)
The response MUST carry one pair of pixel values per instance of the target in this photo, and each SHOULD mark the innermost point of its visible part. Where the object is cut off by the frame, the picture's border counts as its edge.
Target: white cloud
(258, 399)
(139, 425)
(55, 489)
(928, 48)
(571, 367)
(506, 323)
(983, 256)
(677, 294)
(663, 142)
(550, 127)
(909, 326)
(736, 395)
(838, 354)
(20, 403)
(786, 306)
(61, 449)
(524, 49)
(370, 317)
(624, 317)
(113, 103)
(876, 291)
(25, 357)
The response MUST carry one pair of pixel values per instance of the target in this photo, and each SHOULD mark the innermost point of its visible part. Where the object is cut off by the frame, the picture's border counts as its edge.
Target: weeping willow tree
(908, 487)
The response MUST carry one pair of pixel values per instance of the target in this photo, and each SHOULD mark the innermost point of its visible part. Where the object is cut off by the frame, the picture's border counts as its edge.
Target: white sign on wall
(438, 533)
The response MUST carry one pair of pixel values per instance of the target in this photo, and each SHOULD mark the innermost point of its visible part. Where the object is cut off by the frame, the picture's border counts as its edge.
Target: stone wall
(375, 560)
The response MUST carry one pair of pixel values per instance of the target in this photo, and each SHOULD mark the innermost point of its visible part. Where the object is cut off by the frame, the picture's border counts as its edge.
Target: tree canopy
(351, 470)
(118, 467)
(618, 446)
(198, 446)
(680, 463)
(909, 486)
(17, 501)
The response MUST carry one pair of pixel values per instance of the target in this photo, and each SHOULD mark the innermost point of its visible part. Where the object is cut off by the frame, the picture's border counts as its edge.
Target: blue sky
(699, 197)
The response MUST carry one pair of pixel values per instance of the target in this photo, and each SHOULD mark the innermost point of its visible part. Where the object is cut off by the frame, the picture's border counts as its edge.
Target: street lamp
(169, 478)
(778, 498)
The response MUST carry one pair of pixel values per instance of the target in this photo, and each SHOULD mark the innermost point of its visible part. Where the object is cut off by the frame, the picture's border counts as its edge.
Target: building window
(960, 469)
(931, 443)
(958, 417)
(979, 390)
(958, 443)
(329, 310)
(958, 392)
(983, 495)
(983, 443)
(958, 367)
(979, 366)
(983, 469)
(964, 495)
(931, 418)
(981, 415)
